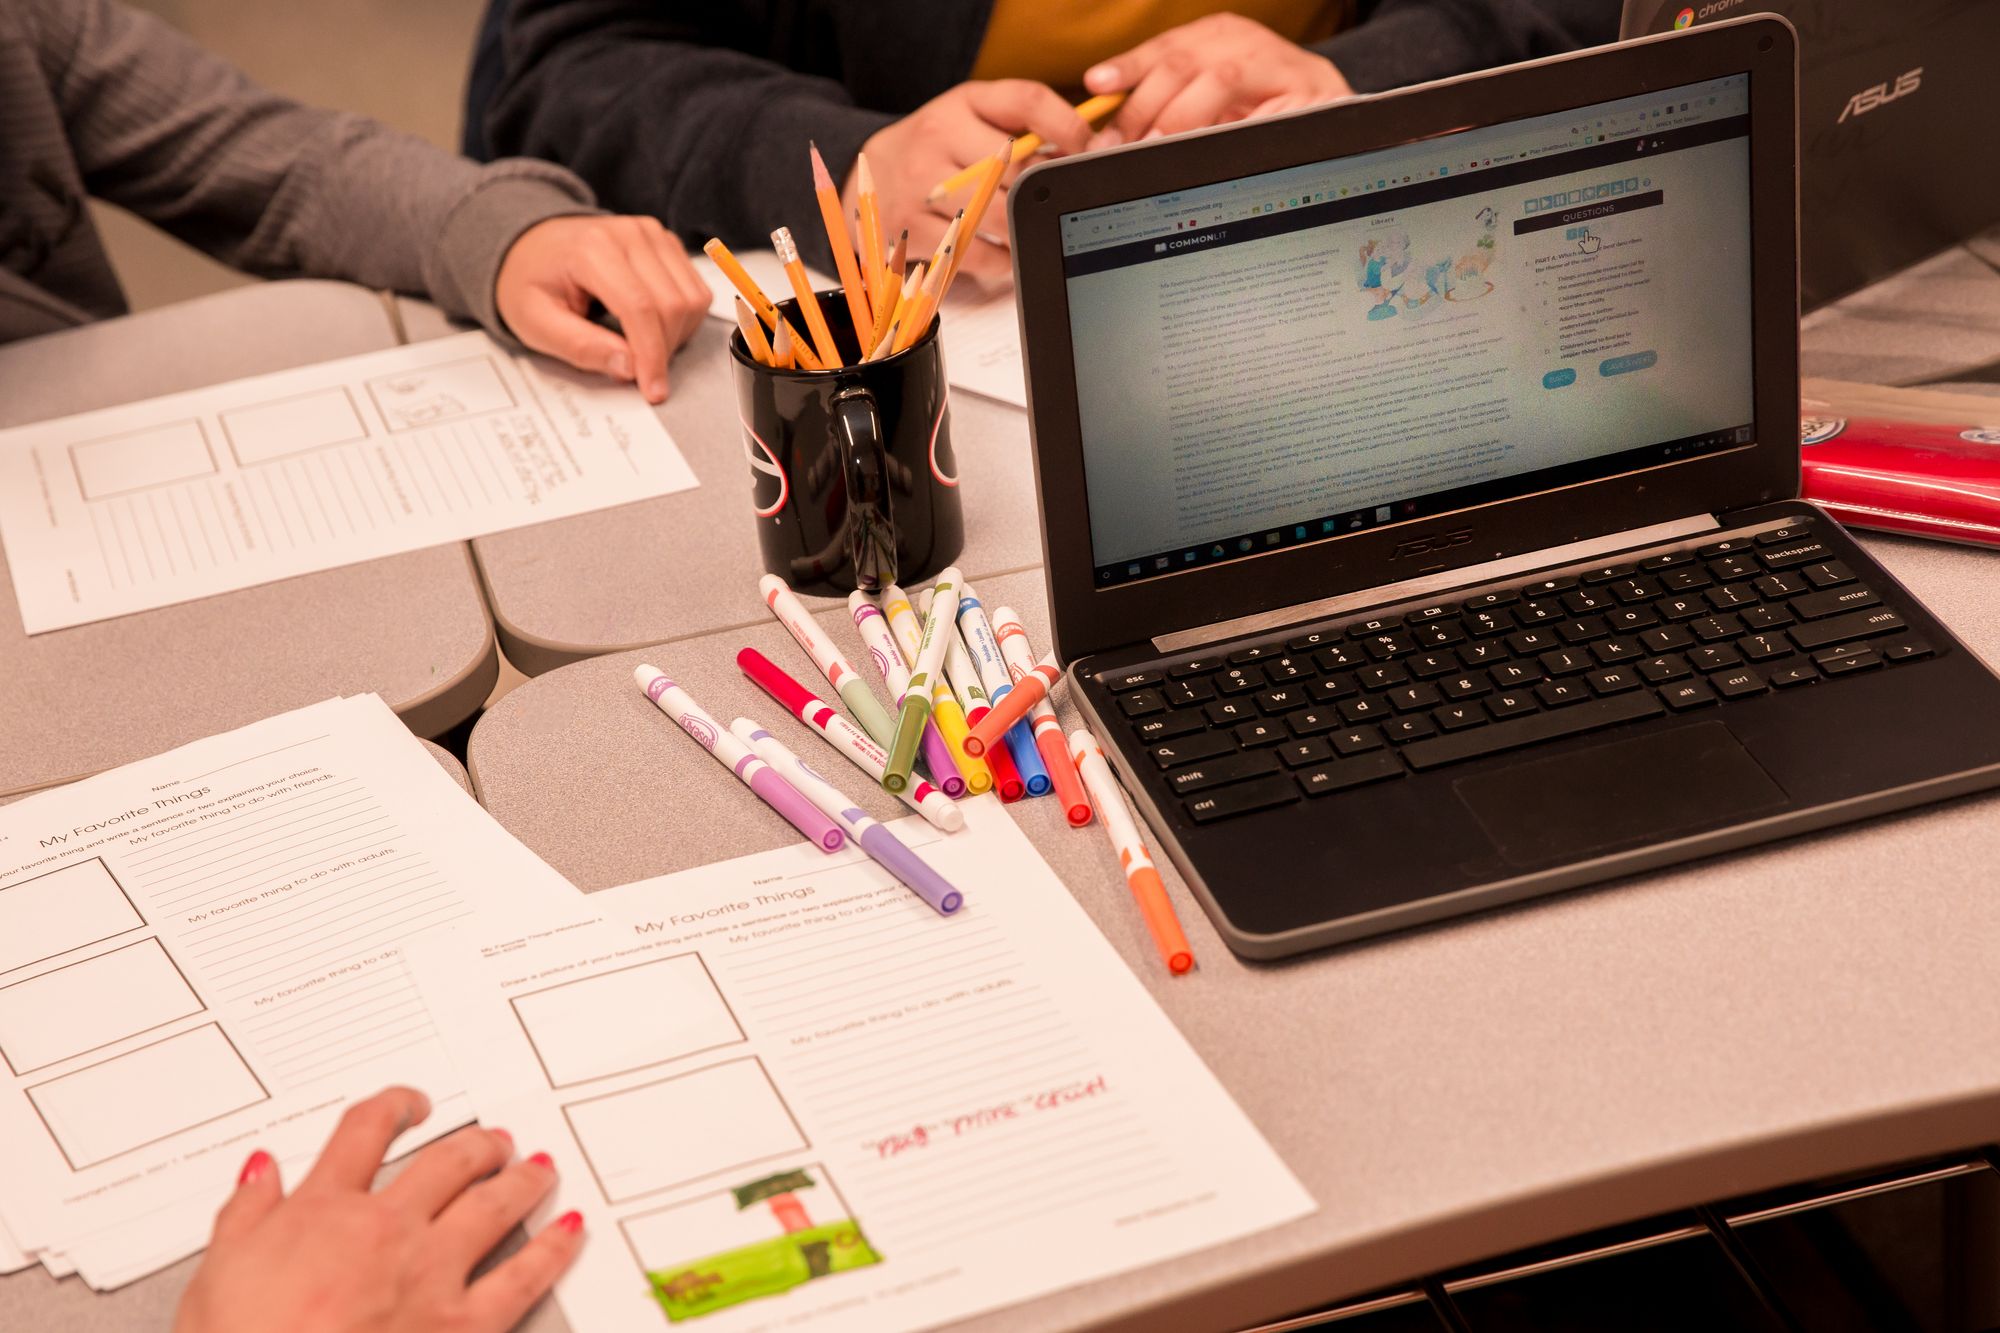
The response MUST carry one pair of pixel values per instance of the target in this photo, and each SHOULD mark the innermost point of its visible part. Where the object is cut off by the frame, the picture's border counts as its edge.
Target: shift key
(1840, 629)
(1228, 768)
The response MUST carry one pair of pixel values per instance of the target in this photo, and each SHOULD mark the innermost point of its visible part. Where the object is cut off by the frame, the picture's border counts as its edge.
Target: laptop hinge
(1425, 586)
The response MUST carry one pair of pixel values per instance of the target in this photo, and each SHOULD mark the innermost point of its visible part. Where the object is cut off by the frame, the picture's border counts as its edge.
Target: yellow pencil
(918, 321)
(871, 237)
(975, 209)
(906, 298)
(843, 248)
(753, 332)
(739, 278)
(1093, 112)
(781, 351)
(795, 270)
(897, 257)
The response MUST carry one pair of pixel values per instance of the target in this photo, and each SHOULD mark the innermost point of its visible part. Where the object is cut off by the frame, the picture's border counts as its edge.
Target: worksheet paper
(201, 955)
(982, 334)
(181, 497)
(786, 1093)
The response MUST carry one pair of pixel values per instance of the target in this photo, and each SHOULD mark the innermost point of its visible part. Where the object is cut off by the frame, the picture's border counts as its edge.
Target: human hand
(958, 127)
(633, 265)
(336, 1258)
(1216, 69)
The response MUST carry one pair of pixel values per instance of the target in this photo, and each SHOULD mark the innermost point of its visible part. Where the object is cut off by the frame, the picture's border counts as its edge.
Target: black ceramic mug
(851, 470)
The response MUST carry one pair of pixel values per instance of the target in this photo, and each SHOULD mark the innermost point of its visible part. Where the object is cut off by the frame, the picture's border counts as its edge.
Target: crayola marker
(846, 681)
(917, 700)
(992, 667)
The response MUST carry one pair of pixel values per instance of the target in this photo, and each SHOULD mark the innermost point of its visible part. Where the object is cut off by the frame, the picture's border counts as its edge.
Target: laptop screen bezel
(1087, 618)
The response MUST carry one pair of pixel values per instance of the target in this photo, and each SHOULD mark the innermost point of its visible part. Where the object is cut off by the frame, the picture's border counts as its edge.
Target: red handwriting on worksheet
(973, 1121)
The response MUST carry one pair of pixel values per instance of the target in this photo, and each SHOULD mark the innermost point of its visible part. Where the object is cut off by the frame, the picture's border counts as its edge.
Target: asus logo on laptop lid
(1868, 99)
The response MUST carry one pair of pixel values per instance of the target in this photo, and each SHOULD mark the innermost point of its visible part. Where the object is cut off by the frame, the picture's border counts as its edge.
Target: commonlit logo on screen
(1684, 18)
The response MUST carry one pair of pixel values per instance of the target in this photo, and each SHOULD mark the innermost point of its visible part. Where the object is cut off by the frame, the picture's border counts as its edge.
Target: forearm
(188, 142)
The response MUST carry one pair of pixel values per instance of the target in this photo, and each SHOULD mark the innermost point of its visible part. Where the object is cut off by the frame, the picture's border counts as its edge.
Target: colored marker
(895, 672)
(757, 775)
(925, 669)
(846, 681)
(1032, 680)
(1140, 875)
(850, 741)
(948, 707)
(984, 649)
(972, 698)
(947, 719)
(890, 852)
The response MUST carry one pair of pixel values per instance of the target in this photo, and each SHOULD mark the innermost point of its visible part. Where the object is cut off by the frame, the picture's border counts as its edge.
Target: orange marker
(843, 249)
(795, 270)
(1033, 679)
(1140, 875)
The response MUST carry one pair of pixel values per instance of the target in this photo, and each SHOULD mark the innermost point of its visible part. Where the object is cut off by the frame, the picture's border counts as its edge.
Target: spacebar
(1571, 721)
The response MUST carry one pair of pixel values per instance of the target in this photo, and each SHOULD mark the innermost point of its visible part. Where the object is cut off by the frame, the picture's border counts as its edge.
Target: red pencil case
(1925, 480)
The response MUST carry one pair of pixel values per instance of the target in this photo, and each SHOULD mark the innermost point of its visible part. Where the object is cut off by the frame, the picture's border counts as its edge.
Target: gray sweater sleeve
(188, 142)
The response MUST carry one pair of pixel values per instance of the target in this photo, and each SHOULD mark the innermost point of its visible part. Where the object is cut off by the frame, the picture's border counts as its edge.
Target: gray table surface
(1823, 1004)
(687, 564)
(1938, 320)
(412, 628)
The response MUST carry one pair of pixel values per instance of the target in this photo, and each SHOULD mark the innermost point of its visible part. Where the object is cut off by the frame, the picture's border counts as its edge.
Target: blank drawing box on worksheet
(582, 1030)
(163, 501)
(202, 953)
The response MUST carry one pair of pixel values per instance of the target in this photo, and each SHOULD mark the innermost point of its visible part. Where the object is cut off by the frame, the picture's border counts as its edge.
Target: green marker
(939, 626)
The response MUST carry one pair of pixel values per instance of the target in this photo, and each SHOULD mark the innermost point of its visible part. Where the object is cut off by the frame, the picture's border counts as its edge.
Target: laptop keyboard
(1272, 723)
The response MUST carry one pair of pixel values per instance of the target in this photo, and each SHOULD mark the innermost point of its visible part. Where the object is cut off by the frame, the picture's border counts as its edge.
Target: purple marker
(889, 851)
(757, 775)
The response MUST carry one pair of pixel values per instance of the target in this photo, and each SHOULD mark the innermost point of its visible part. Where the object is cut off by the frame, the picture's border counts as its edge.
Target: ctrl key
(1241, 799)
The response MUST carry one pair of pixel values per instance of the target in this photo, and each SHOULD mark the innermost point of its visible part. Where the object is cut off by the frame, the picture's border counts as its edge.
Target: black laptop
(1895, 101)
(1419, 480)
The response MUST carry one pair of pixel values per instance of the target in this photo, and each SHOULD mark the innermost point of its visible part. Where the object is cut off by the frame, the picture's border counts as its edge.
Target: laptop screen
(1286, 358)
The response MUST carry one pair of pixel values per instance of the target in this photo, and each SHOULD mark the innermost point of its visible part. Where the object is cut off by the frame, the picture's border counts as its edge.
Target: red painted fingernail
(571, 1222)
(543, 1160)
(502, 1135)
(259, 1163)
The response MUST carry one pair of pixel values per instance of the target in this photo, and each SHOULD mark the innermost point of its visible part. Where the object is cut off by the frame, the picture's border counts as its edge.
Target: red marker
(859, 749)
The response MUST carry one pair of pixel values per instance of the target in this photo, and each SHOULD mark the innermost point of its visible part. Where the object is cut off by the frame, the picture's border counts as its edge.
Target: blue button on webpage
(1559, 379)
(1621, 365)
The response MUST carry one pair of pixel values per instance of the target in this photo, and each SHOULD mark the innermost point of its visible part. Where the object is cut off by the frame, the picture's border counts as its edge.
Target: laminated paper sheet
(202, 954)
(785, 1093)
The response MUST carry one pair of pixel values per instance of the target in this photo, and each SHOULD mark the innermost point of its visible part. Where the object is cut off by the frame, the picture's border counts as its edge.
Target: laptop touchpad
(1621, 794)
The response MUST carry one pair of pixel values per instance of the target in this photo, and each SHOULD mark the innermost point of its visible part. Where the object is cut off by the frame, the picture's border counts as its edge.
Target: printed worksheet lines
(173, 843)
(939, 944)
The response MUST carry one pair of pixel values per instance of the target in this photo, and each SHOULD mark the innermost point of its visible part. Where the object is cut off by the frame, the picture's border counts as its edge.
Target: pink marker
(847, 738)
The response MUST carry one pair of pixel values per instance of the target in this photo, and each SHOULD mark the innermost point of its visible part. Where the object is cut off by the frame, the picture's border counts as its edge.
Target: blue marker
(998, 682)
